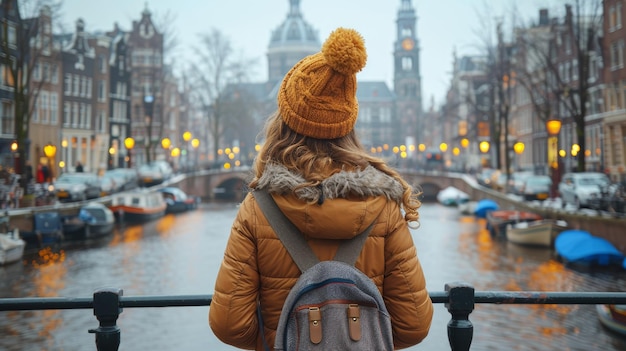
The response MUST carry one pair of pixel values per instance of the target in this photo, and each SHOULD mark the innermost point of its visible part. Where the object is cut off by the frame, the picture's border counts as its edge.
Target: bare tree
(558, 80)
(23, 44)
(217, 69)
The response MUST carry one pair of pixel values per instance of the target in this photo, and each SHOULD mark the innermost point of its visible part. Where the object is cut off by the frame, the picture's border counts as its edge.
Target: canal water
(180, 255)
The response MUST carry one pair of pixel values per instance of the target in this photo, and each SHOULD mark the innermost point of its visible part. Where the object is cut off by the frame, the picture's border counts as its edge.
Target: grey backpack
(333, 305)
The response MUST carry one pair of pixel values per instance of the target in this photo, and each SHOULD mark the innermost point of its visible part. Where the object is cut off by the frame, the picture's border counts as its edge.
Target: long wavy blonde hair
(317, 159)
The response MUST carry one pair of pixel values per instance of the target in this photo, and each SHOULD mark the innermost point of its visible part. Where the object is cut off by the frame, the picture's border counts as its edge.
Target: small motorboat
(177, 200)
(498, 220)
(11, 245)
(452, 196)
(535, 233)
(138, 206)
(581, 247)
(93, 220)
(613, 317)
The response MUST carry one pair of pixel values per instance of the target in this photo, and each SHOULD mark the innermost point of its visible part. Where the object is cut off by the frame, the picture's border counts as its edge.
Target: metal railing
(459, 299)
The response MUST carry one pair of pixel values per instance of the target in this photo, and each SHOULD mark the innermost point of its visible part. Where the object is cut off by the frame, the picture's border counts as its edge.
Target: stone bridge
(232, 185)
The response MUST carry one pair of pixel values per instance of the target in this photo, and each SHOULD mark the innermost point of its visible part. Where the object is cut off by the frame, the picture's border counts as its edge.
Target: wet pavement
(180, 255)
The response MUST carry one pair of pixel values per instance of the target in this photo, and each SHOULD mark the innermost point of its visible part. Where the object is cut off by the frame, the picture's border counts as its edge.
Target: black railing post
(106, 307)
(460, 304)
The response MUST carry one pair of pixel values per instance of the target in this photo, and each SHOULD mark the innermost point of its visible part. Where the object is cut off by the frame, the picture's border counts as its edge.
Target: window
(407, 63)
(101, 90)
(89, 87)
(7, 76)
(43, 107)
(102, 64)
(67, 113)
(54, 108)
(617, 55)
(12, 35)
(35, 116)
(37, 73)
(67, 83)
(46, 72)
(74, 114)
(54, 73)
(76, 85)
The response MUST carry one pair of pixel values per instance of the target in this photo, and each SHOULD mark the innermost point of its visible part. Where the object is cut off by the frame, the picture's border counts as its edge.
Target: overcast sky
(442, 27)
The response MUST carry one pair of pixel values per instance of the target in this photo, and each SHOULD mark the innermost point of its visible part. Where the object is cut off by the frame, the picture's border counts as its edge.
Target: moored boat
(138, 206)
(93, 220)
(484, 206)
(577, 246)
(177, 200)
(11, 247)
(535, 233)
(499, 219)
(613, 317)
(47, 230)
(452, 196)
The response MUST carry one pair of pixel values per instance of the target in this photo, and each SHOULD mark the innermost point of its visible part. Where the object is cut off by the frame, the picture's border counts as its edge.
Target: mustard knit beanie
(317, 97)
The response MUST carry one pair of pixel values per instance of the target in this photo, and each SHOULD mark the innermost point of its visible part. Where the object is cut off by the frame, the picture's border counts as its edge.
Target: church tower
(407, 80)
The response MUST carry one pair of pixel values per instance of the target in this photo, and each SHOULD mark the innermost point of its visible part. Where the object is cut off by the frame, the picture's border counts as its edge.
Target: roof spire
(295, 8)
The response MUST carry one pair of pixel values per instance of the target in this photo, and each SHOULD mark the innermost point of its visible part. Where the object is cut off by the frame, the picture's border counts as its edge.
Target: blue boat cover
(576, 245)
(484, 206)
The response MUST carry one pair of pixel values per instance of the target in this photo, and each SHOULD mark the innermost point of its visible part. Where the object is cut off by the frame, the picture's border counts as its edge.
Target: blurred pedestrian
(79, 167)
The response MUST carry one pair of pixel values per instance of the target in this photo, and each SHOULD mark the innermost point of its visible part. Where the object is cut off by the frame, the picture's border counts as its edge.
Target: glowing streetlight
(129, 143)
(166, 143)
(484, 147)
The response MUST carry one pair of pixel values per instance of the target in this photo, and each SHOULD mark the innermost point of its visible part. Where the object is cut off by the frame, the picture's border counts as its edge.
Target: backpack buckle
(354, 322)
(315, 325)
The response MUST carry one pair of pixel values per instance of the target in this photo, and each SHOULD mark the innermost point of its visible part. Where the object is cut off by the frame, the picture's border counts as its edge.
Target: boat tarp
(579, 245)
(484, 206)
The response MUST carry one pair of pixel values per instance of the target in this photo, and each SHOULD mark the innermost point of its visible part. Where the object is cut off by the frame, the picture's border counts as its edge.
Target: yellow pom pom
(344, 51)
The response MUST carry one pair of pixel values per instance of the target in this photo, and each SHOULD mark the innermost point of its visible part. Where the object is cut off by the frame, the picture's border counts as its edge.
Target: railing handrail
(458, 297)
(488, 297)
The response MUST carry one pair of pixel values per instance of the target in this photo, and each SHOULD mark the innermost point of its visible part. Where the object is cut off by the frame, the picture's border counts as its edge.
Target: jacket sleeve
(232, 314)
(404, 286)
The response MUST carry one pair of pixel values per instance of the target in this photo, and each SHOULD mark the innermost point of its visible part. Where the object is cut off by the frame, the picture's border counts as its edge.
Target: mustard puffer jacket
(256, 268)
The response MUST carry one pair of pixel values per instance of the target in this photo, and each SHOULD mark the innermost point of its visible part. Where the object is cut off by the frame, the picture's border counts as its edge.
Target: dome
(295, 31)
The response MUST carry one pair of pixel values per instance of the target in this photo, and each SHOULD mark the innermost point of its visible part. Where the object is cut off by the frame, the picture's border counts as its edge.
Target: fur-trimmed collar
(277, 178)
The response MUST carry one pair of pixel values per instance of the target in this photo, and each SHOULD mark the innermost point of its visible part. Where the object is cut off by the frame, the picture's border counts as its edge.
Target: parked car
(108, 185)
(77, 187)
(517, 180)
(125, 178)
(484, 177)
(580, 189)
(536, 187)
(154, 173)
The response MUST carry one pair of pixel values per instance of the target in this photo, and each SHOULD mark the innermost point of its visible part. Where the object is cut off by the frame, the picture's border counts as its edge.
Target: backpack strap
(295, 243)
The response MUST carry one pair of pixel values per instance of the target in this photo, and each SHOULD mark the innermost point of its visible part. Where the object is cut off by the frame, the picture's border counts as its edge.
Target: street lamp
(195, 142)
(518, 147)
(553, 127)
(166, 143)
(484, 147)
(50, 151)
(129, 143)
